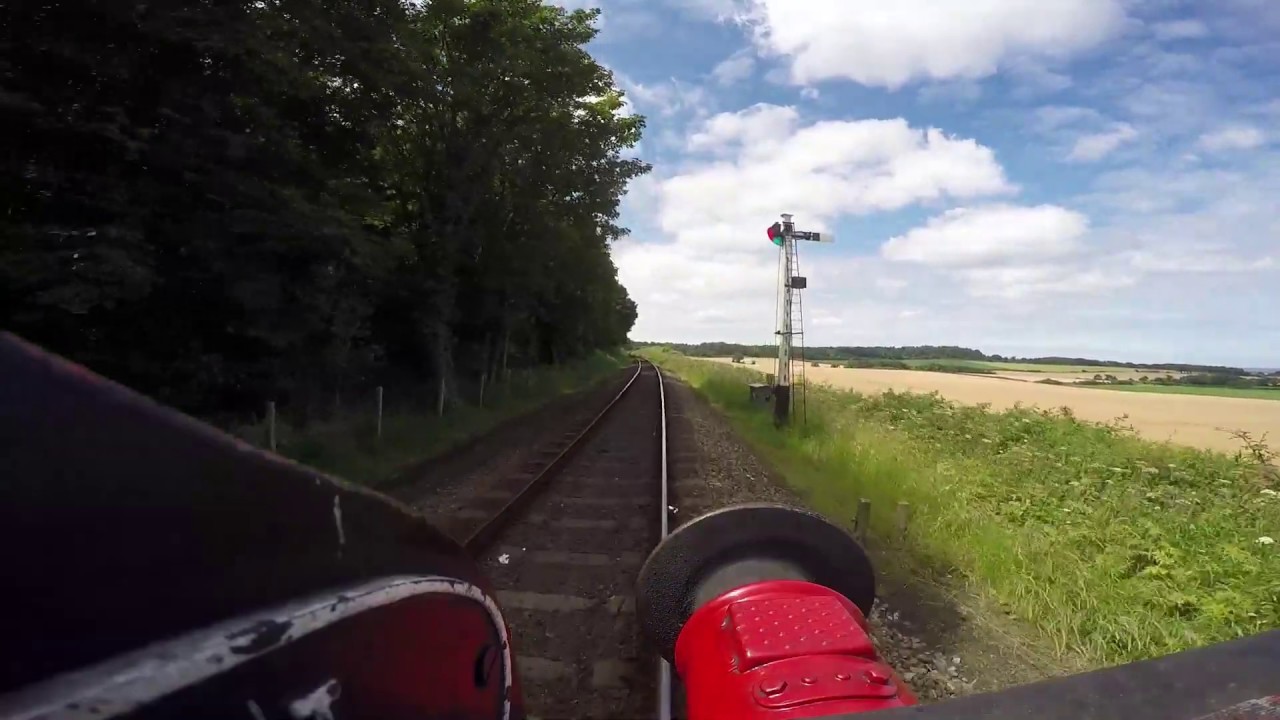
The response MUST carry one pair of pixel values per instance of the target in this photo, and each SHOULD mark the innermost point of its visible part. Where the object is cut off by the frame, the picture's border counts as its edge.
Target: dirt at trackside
(941, 642)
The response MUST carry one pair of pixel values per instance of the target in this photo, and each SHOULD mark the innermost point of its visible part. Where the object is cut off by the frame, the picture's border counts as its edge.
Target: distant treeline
(1271, 380)
(922, 352)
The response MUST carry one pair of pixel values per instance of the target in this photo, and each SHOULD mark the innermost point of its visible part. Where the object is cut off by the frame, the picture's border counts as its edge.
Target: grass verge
(1110, 547)
(1252, 393)
(348, 447)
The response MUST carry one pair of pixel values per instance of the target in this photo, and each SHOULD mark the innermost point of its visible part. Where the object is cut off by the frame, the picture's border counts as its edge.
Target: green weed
(1112, 547)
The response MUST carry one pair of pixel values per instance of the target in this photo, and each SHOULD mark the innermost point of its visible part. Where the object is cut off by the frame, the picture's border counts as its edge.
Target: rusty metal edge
(487, 533)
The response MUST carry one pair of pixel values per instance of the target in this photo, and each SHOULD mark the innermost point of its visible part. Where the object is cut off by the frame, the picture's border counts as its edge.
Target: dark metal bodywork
(124, 524)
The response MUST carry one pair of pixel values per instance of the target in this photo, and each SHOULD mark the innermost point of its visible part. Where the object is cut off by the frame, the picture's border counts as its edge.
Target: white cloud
(1083, 134)
(890, 44)
(1022, 282)
(1179, 30)
(1239, 137)
(890, 285)
(1034, 78)
(757, 129)
(1195, 260)
(706, 244)
(664, 98)
(762, 160)
(810, 93)
(1094, 147)
(991, 235)
(1054, 117)
(735, 68)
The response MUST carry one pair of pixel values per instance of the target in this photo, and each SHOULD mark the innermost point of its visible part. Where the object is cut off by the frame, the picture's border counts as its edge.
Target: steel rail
(484, 536)
(664, 511)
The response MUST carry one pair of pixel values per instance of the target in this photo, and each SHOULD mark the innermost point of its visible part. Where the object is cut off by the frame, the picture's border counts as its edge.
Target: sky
(1093, 178)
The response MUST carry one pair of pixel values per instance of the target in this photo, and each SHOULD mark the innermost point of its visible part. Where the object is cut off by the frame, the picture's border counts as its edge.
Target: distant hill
(919, 352)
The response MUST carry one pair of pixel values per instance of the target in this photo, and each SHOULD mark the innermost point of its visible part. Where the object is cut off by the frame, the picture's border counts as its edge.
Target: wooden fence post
(271, 425)
(862, 523)
(378, 393)
(903, 518)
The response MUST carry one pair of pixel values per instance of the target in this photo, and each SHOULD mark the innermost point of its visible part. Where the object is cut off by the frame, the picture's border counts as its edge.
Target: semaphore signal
(790, 325)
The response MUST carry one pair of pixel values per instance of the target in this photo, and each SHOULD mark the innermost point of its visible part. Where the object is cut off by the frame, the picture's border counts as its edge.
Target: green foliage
(877, 363)
(1113, 547)
(222, 203)
(952, 367)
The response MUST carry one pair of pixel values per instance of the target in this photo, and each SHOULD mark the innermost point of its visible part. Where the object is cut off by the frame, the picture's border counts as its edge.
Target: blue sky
(1030, 177)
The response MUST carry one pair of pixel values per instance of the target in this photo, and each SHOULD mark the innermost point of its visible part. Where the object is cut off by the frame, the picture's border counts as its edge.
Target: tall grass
(1114, 548)
(348, 446)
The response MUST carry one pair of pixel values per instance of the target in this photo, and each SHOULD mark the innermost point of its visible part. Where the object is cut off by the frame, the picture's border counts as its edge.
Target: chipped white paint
(121, 685)
(256, 711)
(337, 520)
(317, 704)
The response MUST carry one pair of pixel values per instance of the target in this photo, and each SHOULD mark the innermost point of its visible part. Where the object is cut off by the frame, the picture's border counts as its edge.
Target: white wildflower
(1264, 540)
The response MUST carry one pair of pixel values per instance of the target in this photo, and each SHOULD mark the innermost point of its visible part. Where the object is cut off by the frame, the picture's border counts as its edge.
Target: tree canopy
(223, 202)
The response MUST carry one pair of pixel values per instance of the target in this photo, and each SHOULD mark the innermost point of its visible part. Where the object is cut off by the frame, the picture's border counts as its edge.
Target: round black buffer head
(729, 548)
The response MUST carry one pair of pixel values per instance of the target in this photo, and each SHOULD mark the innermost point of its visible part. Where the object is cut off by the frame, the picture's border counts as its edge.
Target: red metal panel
(781, 627)
(780, 650)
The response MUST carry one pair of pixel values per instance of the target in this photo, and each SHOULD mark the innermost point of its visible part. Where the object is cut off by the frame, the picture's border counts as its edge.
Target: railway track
(563, 541)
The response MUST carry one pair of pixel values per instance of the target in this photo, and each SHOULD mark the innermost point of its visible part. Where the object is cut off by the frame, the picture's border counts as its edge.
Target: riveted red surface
(782, 627)
(780, 650)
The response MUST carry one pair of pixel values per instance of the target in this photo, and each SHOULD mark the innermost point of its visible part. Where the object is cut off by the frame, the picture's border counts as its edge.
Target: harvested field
(1195, 420)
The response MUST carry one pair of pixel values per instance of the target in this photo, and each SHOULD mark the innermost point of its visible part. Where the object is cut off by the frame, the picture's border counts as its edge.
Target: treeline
(918, 352)
(1230, 380)
(847, 354)
(223, 202)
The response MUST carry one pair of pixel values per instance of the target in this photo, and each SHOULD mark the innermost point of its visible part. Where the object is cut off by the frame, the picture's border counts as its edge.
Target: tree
(222, 202)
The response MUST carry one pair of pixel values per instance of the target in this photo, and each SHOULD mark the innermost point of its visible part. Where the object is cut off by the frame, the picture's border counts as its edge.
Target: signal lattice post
(790, 321)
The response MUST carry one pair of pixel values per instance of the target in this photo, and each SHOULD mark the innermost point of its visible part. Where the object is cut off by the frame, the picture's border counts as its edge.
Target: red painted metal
(780, 650)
